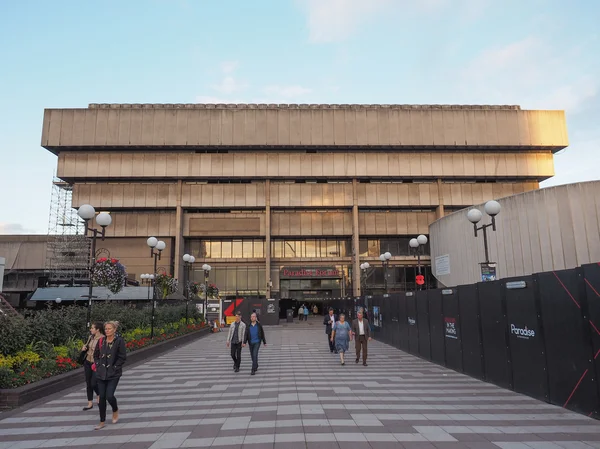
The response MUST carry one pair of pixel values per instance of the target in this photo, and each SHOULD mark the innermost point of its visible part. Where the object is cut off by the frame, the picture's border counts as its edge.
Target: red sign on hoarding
(420, 279)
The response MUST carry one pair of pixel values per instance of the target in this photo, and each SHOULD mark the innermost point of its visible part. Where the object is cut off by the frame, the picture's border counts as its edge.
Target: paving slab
(300, 397)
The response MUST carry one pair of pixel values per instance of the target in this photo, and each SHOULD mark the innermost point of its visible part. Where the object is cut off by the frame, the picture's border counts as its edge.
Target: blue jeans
(254, 354)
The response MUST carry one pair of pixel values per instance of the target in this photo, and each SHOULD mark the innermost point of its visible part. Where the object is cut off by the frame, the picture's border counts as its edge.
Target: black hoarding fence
(538, 335)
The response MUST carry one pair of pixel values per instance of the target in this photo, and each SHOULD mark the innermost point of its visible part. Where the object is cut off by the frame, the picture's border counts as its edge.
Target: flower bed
(54, 351)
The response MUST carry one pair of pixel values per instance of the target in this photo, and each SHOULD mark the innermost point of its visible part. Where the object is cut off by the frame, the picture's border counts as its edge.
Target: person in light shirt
(361, 332)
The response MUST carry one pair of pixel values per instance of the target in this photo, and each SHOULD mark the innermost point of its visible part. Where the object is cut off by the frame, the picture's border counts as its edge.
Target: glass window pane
(215, 249)
(363, 247)
(231, 279)
(220, 276)
(247, 249)
(205, 249)
(289, 249)
(259, 246)
(345, 248)
(310, 249)
(236, 251)
(241, 278)
(226, 249)
(277, 248)
(332, 248)
(262, 282)
(374, 248)
(253, 278)
(300, 248)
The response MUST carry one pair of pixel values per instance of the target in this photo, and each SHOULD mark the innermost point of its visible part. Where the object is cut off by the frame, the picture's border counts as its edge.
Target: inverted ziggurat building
(287, 201)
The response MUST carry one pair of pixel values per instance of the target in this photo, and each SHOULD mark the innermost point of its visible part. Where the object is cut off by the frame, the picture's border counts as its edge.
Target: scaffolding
(68, 249)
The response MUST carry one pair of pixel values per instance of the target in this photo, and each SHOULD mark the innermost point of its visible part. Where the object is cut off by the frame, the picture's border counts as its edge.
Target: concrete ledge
(16, 397)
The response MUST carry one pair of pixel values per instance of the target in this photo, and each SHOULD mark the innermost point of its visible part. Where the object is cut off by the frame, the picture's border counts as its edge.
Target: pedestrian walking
(96, 333)
(328, 322)
(300, 313)
(306, 311)
(362, 335)
(255, 334)
(315, 310)
(237, 331)
(109, 357)
(341, 335)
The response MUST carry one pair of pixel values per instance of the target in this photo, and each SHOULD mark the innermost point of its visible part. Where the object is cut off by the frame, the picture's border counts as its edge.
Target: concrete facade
(251, 189)
(556, 228)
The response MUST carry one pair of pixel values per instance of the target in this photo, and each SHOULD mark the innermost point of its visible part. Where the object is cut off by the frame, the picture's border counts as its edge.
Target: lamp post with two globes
(492, 208)
(147, 277)
(385, 261)
(159, 246)
(363, 268)
(188, 262)
(87, 212)
(206, 268)
(415, 245)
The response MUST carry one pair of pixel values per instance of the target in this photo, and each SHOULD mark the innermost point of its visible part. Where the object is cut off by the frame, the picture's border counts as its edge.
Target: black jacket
(109, 361)
(261, 333)
(326, 323)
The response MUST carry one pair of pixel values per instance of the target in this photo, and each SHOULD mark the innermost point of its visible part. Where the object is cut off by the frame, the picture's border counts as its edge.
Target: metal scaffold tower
(68, 249)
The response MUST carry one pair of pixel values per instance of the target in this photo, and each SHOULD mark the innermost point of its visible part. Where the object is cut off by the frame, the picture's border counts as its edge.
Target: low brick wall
(16, 397)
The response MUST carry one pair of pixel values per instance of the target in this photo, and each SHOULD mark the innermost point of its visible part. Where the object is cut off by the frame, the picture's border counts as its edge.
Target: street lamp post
(492, 208)
(159, 246)
(148, 277)
(385, 261)
(415, 246)
(188, 262)
(206, 267)
(87, 212)
(363, 268)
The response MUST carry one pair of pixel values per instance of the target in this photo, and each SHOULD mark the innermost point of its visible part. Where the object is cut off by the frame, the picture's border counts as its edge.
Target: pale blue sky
(536, 53)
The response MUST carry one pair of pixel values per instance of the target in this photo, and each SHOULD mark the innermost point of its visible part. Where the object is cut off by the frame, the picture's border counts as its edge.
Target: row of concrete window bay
(297, 248)
(252, 280)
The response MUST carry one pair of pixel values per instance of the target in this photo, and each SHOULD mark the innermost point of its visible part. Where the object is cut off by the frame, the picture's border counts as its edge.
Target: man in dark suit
(362, 334)
(328, 322)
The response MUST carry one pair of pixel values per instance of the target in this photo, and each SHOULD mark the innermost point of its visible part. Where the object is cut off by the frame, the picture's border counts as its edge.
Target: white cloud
(229, 66)
(231, 90)
(530, 72)
(538, 74)
(228, 85)
(14, 228)
(336, 20)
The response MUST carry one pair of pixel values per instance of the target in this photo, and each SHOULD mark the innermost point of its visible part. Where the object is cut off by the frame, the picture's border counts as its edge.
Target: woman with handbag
(109, 358)
(86, 358)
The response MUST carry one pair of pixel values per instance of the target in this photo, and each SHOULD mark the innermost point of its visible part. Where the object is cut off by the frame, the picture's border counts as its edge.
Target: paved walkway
(300, 398)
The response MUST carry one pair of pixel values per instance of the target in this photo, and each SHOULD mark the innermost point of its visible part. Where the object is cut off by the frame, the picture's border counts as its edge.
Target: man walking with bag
(362, 334)
(237, 332)
(254, 335)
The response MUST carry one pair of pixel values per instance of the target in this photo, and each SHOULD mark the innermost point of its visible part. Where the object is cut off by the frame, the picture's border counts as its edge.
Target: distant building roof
(292, 106)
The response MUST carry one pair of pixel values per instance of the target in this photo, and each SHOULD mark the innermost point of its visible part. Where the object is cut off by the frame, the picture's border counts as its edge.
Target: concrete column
(439, 211)
(179, 244)
(356, 290)
(268, 236)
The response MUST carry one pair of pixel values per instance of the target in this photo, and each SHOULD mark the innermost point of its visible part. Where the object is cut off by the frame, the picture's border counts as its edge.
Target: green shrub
(14, 334)
(61, 351)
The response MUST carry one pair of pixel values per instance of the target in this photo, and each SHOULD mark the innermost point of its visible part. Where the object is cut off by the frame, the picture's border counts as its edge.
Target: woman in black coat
(109, 357)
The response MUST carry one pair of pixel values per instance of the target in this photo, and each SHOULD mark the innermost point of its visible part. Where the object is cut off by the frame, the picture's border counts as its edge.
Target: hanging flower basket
(213, 291)
(195, 288)
(165, 285)
(109, 273)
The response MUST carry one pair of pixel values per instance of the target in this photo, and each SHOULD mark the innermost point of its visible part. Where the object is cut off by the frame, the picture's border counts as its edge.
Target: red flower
(114, 260)
(22, 373)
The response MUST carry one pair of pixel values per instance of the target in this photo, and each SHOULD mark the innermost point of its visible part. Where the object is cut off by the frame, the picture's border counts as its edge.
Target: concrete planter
(16, 397)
